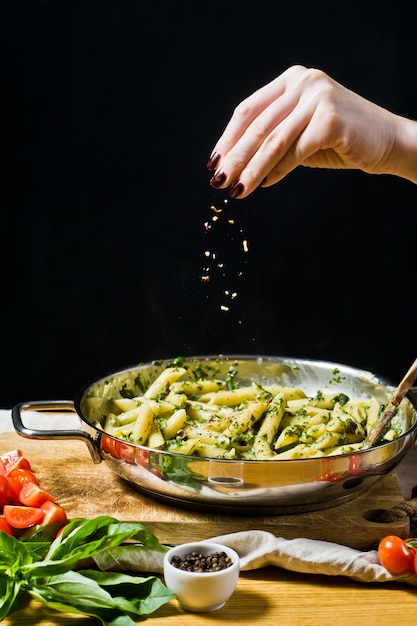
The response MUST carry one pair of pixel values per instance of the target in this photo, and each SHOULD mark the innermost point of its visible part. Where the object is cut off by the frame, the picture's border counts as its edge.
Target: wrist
(405, 150)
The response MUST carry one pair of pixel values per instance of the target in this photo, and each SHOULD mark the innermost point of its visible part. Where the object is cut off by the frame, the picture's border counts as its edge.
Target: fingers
(261, 131)
(312, 134)
(306, 118)
(244, 115)
(251, 154)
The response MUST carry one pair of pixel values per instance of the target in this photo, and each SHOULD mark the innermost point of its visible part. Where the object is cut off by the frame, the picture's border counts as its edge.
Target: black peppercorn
(200, 563)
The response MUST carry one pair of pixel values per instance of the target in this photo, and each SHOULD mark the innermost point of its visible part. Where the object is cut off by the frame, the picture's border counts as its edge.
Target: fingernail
(212, 162)
(236, 190)
(218, 179)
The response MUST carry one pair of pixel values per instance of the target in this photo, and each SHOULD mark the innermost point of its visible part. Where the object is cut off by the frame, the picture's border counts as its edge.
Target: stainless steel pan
(270, 487)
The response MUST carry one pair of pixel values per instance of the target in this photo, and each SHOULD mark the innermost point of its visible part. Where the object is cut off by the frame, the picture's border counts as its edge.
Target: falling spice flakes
(222, 224)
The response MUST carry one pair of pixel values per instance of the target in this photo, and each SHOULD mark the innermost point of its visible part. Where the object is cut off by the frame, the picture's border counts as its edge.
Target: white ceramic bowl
(201, 592)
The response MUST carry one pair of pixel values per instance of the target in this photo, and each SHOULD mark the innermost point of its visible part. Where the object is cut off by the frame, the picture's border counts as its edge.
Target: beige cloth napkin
(258, 548)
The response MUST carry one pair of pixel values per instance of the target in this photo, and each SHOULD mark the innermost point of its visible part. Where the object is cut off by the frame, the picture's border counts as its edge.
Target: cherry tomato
(34, 495)
(52, 513)
(5, 526)
(17, 478)
(395, 555)
(22, 516)
(5, 492)
(411, 542)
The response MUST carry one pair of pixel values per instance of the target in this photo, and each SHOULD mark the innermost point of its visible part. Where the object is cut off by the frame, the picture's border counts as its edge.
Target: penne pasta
(174, 423)
(143, 424)
(162, 383)
(198, 387)
(254, 421)
(245, 418)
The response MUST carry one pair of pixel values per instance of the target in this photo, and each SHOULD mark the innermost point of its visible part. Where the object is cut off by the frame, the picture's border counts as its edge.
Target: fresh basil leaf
(15, 557)
(98, 593)
(60, 600)
(14, 554)
(131, 558)
(97, 532)
(141, 595)
(71, 589)
(41, 532)
(44, 569)
(9, 590)
(86, 538)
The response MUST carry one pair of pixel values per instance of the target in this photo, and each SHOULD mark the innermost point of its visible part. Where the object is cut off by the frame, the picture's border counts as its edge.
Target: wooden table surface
(268, 596)
(271, 597)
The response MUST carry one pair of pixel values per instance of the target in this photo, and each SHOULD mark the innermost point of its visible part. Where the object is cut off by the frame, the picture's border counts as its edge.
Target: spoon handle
(404, 386)
(392, 406)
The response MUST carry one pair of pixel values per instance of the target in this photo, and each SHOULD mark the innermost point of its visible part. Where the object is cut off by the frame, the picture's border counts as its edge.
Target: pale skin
(304, 117)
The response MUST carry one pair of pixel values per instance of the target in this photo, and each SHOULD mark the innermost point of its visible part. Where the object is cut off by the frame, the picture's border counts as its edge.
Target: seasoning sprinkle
(225, 226)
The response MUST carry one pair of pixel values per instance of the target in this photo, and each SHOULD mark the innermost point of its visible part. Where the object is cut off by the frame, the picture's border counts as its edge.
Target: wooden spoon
(392, 406)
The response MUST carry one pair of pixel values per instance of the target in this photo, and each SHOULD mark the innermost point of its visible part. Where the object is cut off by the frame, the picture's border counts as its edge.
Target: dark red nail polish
(212, 162)
(236, 190)
(218, 179)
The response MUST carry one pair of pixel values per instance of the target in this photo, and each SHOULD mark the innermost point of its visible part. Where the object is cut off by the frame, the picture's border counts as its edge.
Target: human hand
(304, 117)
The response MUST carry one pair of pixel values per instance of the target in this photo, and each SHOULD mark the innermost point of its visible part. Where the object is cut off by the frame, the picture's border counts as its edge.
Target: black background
(110, 110)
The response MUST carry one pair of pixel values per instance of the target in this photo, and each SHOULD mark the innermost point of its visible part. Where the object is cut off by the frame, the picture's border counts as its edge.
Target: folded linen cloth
(258, 548)
(309, 556)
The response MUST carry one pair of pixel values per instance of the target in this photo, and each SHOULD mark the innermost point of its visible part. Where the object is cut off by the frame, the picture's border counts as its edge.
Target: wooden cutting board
(84, 489)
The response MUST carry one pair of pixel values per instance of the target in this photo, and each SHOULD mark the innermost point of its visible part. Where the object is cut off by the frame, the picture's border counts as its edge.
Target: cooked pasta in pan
(205, 417)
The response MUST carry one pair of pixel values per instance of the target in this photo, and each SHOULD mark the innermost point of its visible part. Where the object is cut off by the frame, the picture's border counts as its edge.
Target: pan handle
(60, 406)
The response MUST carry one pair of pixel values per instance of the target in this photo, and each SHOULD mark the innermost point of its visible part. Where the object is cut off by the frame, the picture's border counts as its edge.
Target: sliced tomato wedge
(14, 459)
(5, 492)
(34, 495)
(5, 526)
(19, 516)
(10, 457)
(17, 478)
(52, 513)
(21, 463)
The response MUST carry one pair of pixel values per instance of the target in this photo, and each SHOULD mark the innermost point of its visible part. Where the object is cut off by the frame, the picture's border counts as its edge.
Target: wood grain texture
(268, 596)
(84, 489)
(272, 596)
